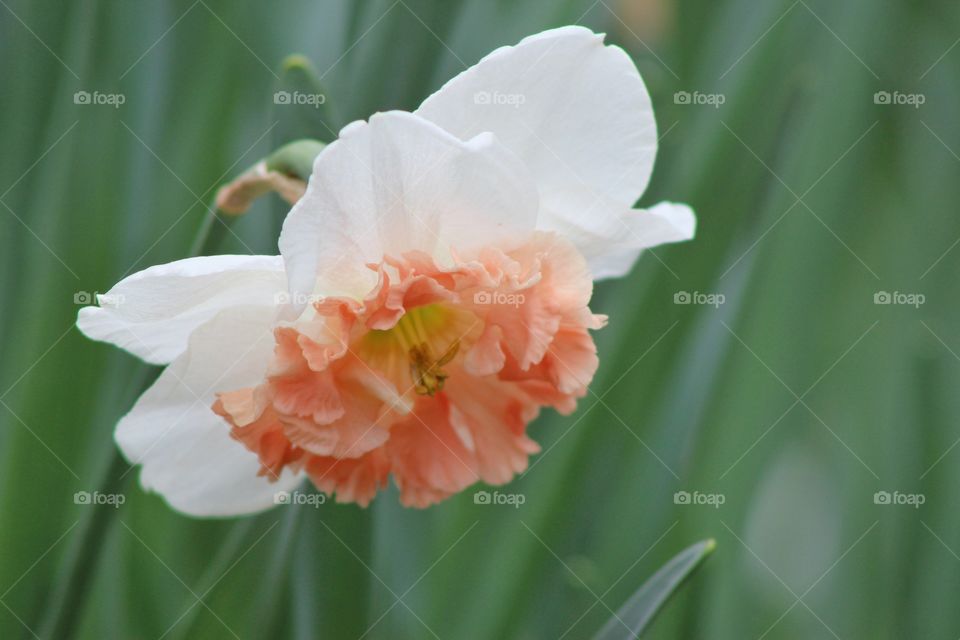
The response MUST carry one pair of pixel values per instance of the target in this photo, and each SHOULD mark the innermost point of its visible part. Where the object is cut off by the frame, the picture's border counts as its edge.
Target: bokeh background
(792, 400)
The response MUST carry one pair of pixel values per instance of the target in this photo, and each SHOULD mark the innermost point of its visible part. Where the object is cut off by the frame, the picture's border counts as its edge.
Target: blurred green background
(793, 402)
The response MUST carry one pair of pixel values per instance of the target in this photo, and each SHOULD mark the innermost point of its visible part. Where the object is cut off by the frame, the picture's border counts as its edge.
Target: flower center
(425, 371)
(420, 336)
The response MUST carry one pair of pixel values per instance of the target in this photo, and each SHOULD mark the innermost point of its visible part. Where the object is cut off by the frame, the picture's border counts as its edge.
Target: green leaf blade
(637, 613)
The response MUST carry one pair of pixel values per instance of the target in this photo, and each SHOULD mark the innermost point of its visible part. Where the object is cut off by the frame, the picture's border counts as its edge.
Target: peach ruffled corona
(432, 377)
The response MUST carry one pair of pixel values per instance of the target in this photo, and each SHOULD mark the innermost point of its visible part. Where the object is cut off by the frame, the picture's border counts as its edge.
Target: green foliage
(796, 400)
(633, 618)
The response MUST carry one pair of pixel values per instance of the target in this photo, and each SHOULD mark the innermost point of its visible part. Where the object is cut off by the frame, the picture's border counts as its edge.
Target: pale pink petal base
(432, 378)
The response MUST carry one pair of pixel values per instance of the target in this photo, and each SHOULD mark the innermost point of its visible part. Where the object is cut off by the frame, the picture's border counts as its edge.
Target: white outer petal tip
(581, 119)
(680, 219)
(613, 256)
(152, 313)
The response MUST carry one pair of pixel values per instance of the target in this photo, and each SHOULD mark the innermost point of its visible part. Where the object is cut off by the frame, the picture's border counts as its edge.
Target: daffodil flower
(430, 298)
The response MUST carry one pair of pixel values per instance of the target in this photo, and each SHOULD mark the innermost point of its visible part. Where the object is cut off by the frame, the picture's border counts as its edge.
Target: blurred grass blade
(67, 601)
(640, 609)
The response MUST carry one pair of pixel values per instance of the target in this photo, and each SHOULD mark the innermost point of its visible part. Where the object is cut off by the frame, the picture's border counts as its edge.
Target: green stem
(72, 585)
(73, 582)
(211, 233)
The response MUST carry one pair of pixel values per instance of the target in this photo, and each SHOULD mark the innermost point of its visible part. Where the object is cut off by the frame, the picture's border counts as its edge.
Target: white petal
(186, 450)
(576, 112)
(612, 250)
(152, 313)
(399, 183)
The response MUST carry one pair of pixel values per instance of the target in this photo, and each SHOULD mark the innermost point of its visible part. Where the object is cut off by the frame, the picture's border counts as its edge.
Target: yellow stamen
(425, 369)
(428, 377)
(416, 336)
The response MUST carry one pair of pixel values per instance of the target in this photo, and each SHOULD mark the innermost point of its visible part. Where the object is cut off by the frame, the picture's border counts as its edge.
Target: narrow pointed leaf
(634, 616)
